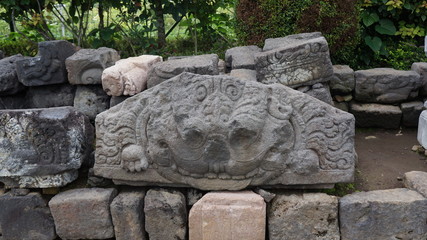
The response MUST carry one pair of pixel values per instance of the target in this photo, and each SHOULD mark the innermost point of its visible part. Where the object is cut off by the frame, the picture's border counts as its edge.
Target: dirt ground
(384, 156)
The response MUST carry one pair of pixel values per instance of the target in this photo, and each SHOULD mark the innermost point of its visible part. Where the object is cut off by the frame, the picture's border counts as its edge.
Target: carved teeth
(211, 175)
(224, 176)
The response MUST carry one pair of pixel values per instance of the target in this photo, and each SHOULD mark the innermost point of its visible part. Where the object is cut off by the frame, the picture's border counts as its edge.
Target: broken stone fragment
(91, 100)
(342, 82)
(9, 83)
(421, 68)
(241, 57)
(376, 115)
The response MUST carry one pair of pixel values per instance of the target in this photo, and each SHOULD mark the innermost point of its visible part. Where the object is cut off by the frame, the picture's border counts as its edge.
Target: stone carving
(86, 65)
(219, 132)
(128, 76)
(299, 62)
(42, 148)
(273, 43)
(9, 83)
(48, 67)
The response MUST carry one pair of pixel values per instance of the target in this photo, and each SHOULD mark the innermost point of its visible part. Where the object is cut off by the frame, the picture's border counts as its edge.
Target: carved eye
(201, 93)
(163, 144)
(232, 92)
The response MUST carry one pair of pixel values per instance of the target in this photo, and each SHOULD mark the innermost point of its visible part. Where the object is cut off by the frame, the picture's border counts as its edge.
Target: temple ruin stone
(9, 83)
(241, 57)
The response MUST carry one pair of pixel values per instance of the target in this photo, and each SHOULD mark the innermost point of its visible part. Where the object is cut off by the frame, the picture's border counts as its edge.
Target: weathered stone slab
(86, 65)
(16, 101)
(383, 214)
(165, 215)
(274, 43)
(25, 217)
(219, 132)
(57, 95)
(91, 100)
(421, 68)
(386, 85)
(48, 67)
(117, 100)
(228, 215)
(422, 129)
(42, 148)
(300, 62)
(201, 64)
(128, 76)
(411, 112)
(83, 213)
(320, 91)
(127, 212)
(241, 57)
(376, 115)
(303, 216)
(244, 74)
(9, 83)
(416, 180)
(343, 81)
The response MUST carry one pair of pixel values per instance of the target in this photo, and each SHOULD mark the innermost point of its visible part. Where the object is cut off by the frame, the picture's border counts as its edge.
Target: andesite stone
(421, 68)
(91, 100)
(274, 43)
(9, 83)
(56, 95)
(114, 100)
(244, 74)
(422, 129)
(241, 57)
(411, 112)
(319, 91)
(416, 180)
(16, 101)
(376, 115)
(342, 82)
(43, 148)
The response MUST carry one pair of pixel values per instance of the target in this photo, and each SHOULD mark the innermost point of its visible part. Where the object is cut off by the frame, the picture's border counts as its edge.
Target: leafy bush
(401, 55)
(16, 44)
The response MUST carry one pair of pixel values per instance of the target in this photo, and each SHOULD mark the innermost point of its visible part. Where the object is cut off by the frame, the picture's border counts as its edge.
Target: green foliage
(401, 55)
(14, 44)
(341, 189)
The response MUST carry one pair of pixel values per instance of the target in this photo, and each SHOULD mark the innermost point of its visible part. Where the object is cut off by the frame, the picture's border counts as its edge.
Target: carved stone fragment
(411, 113)
(241, 57)
(56, 95)
(342, 82)
(9, 83)
(48, 67)
(376, 115)
(86, 65)
(42, 148)
(421, 68)
(91, 100)
(299, 61)
(244, 74)
(274, 43)
(319, 90)
(219, 132)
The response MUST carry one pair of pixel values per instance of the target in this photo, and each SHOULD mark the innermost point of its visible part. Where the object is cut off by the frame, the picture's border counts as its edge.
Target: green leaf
(369, 18)
(374, 43)
(106, 34)
(386, 26)
(423, 17)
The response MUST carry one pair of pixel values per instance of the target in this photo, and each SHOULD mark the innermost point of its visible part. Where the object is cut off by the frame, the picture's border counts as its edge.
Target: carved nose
(217, 150)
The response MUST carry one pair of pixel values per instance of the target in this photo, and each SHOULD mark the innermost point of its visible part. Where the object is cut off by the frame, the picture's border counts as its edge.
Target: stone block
(117, 100)
(223, 133)
(165, 215)
(57, 95)
(302, 61)
(128, 76)
(9, 83)
(16, 101)
(274, 43)
(411, 113)
(343, 81)
(43, 148)
(376, 115)
(86, 65)
(228, 215)
(244, 74)
(91, 100)
(83, 213)
(25, 217)
(201, 64)
(127, 212)
(311, 216)
(386, 85)
(48, 67)
(416, 180)
(383, 214)
(319, 91)
(241, 57)
(422, 129)
(421, 68)
(342, 106)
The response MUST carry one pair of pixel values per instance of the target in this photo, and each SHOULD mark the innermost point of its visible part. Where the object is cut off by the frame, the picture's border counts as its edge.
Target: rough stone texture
(241, 57)
(127, 211)
(193, 195)
(219, 132)
(42, 148)
(128, 76)
(343, 81)
(342, 106)
(319, 91)
(9, 83)
(25, 217)
(308, 216)
(383, 214)
(268, 196)
(244, 74)
(116, 100)
(17, 101)
(48, 67)
(411, 112)
(376, 115)
(421, 68)
(228, 215)
(386, 85)
(201, 64)
(91, 100)
(301, 61)
(83, 213)
(422, 129)
(416, 180)
(274, 43)
(57, 95)
(221, 66)
(165, 215)
(86, 65)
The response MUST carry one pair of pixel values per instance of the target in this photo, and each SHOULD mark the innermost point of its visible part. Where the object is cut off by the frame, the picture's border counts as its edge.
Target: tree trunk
(161, 33)
(101, 15)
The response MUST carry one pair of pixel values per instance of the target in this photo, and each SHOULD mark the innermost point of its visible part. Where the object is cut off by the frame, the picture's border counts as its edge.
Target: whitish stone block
(302, 61)
(86, 65)
(91, 100)
(421, 68)
(411, 113)
(376, 115)
(219, 132)
(228, 215)
(383, 214)
(127, 211)
(42, 148)
(386, 85)
(241, 57)
(128, 76)
(416, 180)
(422, 129)
(165, 215)
(343, 81)
(303, 216)
(244, 74)
(83, 213)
